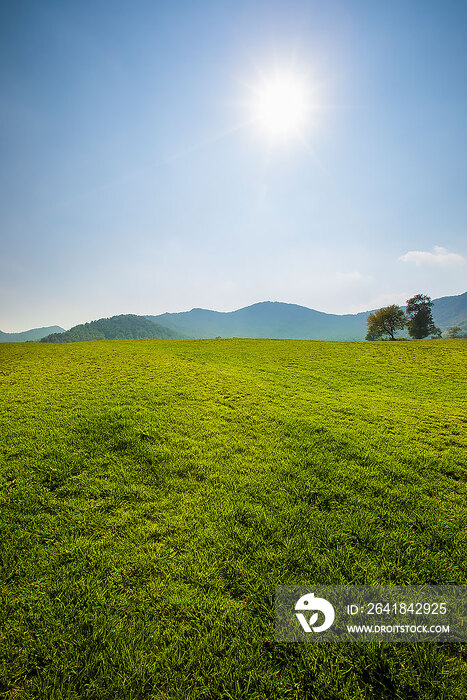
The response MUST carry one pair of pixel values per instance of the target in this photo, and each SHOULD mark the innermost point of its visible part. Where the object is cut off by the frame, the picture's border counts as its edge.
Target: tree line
(417, 318)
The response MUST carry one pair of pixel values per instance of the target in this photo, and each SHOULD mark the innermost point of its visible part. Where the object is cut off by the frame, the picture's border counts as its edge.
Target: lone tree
(454, 332)
(385, 321)
(420, 322)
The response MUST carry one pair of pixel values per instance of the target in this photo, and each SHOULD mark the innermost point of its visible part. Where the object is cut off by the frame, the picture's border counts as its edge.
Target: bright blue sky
(123, 192)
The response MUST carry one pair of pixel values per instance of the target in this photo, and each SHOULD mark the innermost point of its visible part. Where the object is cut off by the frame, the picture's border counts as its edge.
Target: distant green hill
(267, 320)
(124, 327)
(450, 311)
(33, 334)
(278, 320)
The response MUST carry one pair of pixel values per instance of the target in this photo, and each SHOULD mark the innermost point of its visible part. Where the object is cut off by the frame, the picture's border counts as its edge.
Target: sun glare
(281, 105)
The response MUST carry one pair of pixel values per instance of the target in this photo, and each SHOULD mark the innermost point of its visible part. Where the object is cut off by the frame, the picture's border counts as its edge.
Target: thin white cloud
(352, 277)
(440, 257)
(385, 299)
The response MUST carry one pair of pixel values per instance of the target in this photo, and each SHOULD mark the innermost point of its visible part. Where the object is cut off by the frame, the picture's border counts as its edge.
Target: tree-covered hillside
(124, 327)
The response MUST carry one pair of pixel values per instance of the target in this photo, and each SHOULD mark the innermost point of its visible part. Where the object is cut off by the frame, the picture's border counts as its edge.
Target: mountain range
(263, 320)
(279, 320)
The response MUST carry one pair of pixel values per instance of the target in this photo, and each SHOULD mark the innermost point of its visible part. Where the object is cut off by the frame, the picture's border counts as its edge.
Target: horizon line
(199, 308)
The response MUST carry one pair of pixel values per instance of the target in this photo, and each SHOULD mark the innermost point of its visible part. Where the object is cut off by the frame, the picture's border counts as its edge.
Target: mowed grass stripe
(155, 492)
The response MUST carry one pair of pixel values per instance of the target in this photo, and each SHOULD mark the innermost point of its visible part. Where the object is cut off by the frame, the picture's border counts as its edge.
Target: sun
(281, 105)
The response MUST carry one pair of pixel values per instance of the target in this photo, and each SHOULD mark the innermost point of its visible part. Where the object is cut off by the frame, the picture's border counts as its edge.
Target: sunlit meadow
(154, 492)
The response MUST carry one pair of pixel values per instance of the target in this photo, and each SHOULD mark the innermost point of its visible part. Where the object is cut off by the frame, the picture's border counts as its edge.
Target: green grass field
(154, 493)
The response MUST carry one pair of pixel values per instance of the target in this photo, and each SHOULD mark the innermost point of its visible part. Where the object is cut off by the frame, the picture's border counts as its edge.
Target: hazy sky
(133, 179)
